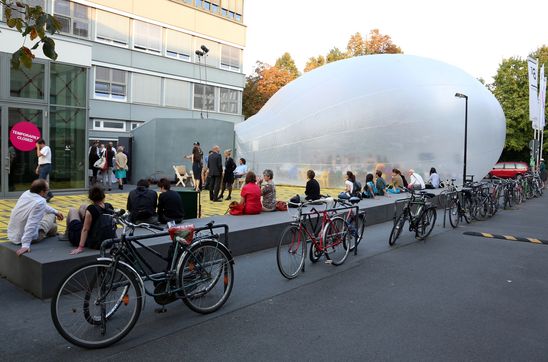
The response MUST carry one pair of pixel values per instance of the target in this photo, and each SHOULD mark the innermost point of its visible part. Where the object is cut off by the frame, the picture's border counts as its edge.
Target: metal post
(465, 137)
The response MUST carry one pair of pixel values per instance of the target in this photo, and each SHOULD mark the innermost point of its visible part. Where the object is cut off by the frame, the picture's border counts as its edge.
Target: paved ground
(451, 298)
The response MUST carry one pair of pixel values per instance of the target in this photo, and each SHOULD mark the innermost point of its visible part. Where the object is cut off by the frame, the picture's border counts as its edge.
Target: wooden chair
(182, 175)
(323, 178)
(239, 182)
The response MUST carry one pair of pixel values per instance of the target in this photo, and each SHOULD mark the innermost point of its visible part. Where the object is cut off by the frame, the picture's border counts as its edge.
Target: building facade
(120, 64)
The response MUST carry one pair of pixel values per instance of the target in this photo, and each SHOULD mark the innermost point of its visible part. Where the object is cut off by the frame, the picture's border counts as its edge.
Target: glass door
(21, 127)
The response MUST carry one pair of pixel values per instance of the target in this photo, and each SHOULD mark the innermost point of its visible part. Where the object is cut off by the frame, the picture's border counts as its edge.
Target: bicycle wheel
(97, 305)
(335, 235)
(356, 229)
(467, 209)
(396, 229)
(291, 251)
(199, 275)
(426, 223)
(453, 211)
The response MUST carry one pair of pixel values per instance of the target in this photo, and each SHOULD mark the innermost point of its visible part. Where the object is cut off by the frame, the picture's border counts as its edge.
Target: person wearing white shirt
(416, 182)
(43, 153)
(32, 219)
(434, 179)
(241, 169)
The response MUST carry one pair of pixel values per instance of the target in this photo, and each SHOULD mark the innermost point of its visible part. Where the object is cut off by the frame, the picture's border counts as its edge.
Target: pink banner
(23, 136)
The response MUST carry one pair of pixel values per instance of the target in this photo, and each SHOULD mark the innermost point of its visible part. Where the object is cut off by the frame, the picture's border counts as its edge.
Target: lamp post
(202, 52)
(460, 95)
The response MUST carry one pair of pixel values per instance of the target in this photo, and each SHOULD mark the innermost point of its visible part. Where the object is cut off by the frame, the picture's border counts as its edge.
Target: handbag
(281, 205)
(235, 208)
(100, 163)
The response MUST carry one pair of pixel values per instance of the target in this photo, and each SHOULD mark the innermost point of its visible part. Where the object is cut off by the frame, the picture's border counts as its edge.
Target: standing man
(215, 166)
(32, 219)
(196, 156)
(44, 163)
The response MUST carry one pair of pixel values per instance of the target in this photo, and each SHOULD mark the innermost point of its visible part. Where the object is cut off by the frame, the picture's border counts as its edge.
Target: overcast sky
(474, 35)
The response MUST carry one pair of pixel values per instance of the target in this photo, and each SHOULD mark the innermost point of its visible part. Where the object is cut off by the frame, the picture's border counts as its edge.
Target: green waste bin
(190, 202)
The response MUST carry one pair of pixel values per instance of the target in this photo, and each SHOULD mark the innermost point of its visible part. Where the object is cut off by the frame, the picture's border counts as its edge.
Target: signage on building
(23, 136)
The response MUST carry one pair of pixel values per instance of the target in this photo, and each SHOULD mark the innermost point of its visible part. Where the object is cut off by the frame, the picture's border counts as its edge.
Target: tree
(33, 22)
(334, 55)
(287, 63)
(252, 101)
(356, 46)
(314, 62)
(377, 43)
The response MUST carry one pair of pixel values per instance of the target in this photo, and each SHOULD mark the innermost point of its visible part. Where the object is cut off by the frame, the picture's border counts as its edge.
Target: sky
(474, 35)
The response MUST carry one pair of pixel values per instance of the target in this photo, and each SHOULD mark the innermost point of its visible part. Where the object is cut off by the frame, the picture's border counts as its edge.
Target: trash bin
(190, 202)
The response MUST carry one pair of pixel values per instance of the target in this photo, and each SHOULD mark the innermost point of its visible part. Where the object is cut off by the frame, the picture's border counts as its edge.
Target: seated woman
(350, 186)
(369, 189)
(268, 191)
(81, 222)
(170, 205)
(433, 180)
(396, 186)
(312, 190)
(380, 184)
(250, 202)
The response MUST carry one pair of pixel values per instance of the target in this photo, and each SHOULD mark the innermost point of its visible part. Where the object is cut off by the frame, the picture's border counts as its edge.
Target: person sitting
(396, 186)
(312, 191)
(80, 223)
(369, 189)
(141, 203)
(170, 205)
(32, 219)
(268, 191)
(433, 180)
(241, 169)
(351, 186)
(380, 184)
(416, 181)
(250, 202)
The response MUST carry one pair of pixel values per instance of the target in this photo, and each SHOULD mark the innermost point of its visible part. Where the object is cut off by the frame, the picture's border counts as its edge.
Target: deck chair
(182, 175)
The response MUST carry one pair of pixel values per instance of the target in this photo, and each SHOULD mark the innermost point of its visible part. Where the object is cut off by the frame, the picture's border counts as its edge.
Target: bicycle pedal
(160, 310)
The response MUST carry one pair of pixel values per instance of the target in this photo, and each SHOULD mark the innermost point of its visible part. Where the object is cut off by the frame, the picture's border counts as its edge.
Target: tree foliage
(34, 23)
(356, 46)
(314, 62)
(286, 62)
(377, 43)
(334, 55)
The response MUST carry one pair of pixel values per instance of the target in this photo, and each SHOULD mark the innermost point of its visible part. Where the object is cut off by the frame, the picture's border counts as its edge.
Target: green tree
(377, 43)
(334, 55)
(34, 23)
(287, 63)
(314, 62)
(356, 46)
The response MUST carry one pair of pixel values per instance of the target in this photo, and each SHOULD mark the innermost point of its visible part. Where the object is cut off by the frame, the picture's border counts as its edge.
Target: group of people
(111, 163)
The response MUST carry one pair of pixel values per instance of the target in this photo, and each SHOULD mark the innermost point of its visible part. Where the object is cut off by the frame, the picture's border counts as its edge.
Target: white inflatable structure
(374, 112)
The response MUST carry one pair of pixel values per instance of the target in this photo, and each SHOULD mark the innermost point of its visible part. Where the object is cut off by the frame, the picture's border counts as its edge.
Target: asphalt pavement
(452, 297)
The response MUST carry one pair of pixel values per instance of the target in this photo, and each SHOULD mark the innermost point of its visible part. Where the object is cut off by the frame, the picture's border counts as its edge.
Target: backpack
(404, 180)
(356, 189)
(104, 228)
(142, 209)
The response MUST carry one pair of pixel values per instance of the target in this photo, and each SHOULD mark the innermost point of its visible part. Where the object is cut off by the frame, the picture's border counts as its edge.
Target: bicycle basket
(183, 233)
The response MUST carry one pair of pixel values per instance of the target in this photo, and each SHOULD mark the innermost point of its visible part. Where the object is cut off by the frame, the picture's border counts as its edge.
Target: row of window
(112, 125)
(113, 84)
(122, 31)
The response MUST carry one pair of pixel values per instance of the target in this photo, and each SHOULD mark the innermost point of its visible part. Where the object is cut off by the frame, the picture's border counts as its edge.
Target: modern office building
(121, 63)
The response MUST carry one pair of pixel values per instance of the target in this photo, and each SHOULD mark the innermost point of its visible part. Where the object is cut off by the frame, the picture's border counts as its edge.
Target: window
(146, 89)
(179, 45)
(74, 18)
(135, 125)
(230, 58)
(204, 97)
(109, 125)
(177, 93)
(110, 83)
(112, 28)
(67, 85)
(16, 14)
(229, 100)
(147, 36)
(28, 83)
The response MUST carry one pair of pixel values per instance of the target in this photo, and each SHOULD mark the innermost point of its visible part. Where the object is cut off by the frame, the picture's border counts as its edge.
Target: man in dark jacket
(170, 205)
(215, 166)
(141, 203)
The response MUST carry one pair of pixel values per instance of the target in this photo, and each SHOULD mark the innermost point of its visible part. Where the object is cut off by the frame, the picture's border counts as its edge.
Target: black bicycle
(99, 303)
(420, 214)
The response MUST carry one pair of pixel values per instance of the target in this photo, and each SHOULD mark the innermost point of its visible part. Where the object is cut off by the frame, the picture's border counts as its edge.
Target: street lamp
(460, 95)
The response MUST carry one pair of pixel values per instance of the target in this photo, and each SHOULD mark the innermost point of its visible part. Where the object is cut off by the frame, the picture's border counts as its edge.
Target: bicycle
(421, 215)
(98, 304)
(354, 220)
(327, 235)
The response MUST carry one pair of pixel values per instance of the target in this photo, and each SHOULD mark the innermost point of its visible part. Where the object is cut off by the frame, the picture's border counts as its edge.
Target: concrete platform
(41, 271)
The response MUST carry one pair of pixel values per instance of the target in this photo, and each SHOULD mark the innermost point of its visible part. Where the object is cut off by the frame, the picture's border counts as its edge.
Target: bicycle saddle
(427, 194)
(354, 200)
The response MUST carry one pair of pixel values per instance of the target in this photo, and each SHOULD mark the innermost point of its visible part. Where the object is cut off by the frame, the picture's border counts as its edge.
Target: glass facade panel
(67, 135)
(204, 97)
(229, 100)
(28, 83)
(68, 85)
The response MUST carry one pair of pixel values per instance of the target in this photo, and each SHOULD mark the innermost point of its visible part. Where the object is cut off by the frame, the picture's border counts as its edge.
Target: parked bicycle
(326, 233)
(355, 221)
(419, 212)
(99, 303)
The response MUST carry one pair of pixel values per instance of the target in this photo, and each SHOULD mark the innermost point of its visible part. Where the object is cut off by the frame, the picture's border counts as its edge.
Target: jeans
(44, 171)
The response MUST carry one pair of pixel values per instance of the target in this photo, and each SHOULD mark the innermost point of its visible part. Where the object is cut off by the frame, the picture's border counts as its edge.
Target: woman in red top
(251, 195)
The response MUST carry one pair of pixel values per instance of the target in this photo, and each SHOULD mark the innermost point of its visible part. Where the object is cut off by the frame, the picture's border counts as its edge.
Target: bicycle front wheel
(206, 277)
(396, 230)
(291, 252)
(453, 211)
(356, 228)
(336, 246)
(426, 223)
(97, 305)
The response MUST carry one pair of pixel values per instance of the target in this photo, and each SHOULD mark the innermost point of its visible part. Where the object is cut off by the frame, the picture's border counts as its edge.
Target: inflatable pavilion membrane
(374, 112)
